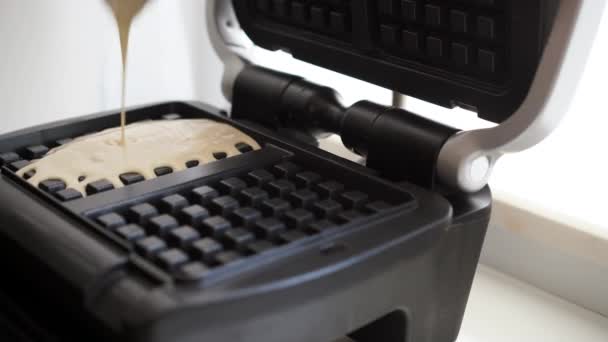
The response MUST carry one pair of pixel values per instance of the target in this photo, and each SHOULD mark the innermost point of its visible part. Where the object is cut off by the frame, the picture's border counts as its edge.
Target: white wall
(61, 58)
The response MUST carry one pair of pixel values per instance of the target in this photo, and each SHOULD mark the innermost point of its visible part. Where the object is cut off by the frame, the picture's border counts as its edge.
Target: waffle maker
(298, 244)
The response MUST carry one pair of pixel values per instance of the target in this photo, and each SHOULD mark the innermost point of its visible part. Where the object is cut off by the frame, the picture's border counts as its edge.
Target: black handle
(399, 144)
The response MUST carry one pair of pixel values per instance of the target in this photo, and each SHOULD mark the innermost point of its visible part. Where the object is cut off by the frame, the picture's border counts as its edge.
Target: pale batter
(150, 145)
(124, 12)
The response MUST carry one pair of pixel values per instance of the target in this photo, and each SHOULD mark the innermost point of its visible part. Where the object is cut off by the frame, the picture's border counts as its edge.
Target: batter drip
(150, 145)
(124, 12)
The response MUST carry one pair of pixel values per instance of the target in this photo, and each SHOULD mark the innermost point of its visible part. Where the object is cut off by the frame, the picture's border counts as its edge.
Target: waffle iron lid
(476, 54)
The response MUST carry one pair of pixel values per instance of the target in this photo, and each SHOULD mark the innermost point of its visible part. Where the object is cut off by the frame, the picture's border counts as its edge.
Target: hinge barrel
(400, 145)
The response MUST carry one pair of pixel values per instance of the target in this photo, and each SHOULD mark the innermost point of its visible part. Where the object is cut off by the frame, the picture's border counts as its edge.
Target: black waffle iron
(289, 242)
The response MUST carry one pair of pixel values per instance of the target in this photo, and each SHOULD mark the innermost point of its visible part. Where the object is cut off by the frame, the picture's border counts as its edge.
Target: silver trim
(562, 65)
(229, 41)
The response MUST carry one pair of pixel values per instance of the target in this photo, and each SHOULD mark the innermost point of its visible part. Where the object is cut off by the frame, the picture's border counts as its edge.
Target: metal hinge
(465, 161)
(398, 144)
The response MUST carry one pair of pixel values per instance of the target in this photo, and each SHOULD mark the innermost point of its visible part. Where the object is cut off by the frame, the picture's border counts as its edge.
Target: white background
(61, 58)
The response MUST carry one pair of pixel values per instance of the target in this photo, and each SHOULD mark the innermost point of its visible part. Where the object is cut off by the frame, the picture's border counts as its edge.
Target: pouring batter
(150, 145)
(124, 12)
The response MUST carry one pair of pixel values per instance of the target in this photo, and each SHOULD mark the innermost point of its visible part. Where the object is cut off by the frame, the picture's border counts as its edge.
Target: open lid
(516, 63)
(477, 54)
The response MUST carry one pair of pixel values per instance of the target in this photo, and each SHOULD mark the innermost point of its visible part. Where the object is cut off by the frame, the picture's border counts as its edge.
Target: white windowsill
(560, 254)
(503, 309)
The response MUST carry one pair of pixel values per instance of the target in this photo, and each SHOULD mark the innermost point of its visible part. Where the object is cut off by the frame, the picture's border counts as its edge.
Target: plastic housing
(480, 55)
(365, 279)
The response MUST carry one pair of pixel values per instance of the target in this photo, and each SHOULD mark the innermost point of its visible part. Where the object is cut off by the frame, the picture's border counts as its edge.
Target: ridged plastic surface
(479, 54)
(193, 232)
(192, 227)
